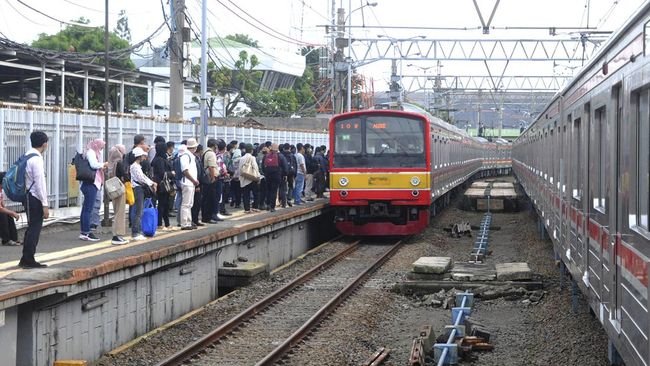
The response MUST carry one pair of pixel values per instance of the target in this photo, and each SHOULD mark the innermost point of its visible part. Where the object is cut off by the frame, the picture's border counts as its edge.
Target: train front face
(380, 172)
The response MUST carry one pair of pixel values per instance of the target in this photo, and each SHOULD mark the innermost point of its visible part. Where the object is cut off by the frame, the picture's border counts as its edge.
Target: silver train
(585, 163)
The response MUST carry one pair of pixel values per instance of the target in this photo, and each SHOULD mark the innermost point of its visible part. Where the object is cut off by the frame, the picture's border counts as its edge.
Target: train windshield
(379, 141)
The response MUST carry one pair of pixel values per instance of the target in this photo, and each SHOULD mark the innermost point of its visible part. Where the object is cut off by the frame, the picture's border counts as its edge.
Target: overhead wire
(281, 37)
(51, 17)
(23, 15)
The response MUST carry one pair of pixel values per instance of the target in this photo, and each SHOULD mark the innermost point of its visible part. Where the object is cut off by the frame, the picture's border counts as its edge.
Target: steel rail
(204, 342)
(278, 353)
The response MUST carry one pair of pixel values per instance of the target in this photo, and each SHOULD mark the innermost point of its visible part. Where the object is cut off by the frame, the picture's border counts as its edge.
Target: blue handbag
(149, 218)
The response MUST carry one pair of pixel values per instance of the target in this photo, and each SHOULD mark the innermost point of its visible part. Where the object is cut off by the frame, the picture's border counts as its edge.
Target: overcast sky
(304, 20)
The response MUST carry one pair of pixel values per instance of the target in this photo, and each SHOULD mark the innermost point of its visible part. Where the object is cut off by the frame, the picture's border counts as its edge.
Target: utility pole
(106, 221)
(340, 66)
(204, 73)
(176, 58)
(395, 92)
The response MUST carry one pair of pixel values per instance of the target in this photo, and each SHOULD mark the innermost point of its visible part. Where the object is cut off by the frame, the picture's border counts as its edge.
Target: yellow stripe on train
(403, 180)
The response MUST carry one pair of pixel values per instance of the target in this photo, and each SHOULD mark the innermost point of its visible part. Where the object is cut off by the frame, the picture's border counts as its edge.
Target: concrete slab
(502, 185)
(480, 184)
(432, 265)
(473, 272)
(245, 269)
(513, 272)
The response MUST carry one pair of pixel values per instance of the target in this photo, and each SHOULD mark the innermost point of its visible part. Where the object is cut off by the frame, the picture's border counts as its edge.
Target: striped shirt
(138, 178)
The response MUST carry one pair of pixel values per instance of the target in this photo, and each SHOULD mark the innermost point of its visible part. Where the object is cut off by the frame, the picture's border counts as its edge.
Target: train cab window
(643, 159)
(348, 137)
(379, 141)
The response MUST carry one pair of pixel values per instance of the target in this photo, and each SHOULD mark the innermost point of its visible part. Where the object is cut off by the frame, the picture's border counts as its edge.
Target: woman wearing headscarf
(162, 169)
(90, 189)
(116, 168)
(247, 185)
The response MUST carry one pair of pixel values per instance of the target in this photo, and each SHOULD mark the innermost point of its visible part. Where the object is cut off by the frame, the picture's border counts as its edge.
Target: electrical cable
(287, 38)
(51, 17)
(24, 16)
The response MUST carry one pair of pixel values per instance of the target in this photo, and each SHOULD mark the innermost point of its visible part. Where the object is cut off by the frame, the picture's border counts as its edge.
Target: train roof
(597, 59)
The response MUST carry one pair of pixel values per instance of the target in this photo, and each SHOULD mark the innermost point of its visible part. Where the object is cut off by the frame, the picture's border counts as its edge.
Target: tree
(122, 30)
(244, 39)
(74, 38)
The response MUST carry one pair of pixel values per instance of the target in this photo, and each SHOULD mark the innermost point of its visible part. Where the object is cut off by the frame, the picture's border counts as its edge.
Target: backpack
(149, 218)
(14, 181)
(176, 164)
(292, 165)
(271, 160)
(84, 172)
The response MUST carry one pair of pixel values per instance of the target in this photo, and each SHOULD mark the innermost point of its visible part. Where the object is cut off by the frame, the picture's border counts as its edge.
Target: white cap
(137, 152)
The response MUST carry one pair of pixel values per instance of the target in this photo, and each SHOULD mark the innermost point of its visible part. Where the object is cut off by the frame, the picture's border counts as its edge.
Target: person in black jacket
(286, 188)
(162, 169)
(274, 166)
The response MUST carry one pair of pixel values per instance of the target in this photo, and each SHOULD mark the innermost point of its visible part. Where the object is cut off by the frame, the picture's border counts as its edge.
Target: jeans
(136, 226)
(89, 191)
(34, 225)
(297, 190)
(95, 219)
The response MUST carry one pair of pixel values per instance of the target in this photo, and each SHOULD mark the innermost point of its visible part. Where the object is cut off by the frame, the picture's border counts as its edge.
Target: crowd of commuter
(196, 184)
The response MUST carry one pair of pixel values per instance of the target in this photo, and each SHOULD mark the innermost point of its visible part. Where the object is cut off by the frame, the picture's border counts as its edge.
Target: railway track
(263, 333)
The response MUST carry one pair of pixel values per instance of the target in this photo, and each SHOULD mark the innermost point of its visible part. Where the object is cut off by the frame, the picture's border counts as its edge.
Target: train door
(614, 217)
(575, 195)
(597, 202)
(564, 163)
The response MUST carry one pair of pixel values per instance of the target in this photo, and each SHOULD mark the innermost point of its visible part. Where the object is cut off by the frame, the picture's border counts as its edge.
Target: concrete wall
(98, 315)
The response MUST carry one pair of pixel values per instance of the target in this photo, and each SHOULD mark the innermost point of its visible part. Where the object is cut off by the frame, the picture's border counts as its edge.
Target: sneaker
(92, 237)
(139, 237)
(83, 236)
(118, 240)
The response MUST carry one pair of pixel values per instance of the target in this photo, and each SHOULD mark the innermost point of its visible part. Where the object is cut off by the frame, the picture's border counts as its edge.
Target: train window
(348, 136)
(646, 34)
(576, 161)
(600, 159)
(643, 158)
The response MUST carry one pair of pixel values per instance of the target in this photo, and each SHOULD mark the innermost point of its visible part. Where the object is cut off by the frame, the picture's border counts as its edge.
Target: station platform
(127, 290)
(70, 259)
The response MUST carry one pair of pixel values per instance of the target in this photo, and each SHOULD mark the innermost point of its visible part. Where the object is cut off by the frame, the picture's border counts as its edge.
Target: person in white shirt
(36, 203)
(189, 183)
(138, 180)
(299, 184)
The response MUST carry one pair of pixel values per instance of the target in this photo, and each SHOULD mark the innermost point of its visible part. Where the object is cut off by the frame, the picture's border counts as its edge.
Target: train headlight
(415, 181)
(343, 181)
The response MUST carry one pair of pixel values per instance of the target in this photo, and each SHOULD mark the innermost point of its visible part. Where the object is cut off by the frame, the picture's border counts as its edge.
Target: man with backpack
(273, 168)
(35, 200)
(286, 187)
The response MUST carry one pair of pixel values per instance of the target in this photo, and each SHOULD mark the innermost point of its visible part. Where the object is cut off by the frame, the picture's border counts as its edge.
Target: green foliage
(74, 38)
(244, 39)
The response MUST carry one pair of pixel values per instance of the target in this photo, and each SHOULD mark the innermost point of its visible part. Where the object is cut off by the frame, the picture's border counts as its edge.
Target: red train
(390, 169)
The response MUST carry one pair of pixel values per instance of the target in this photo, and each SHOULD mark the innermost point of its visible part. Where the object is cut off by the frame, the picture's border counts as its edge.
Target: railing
(70, 130)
